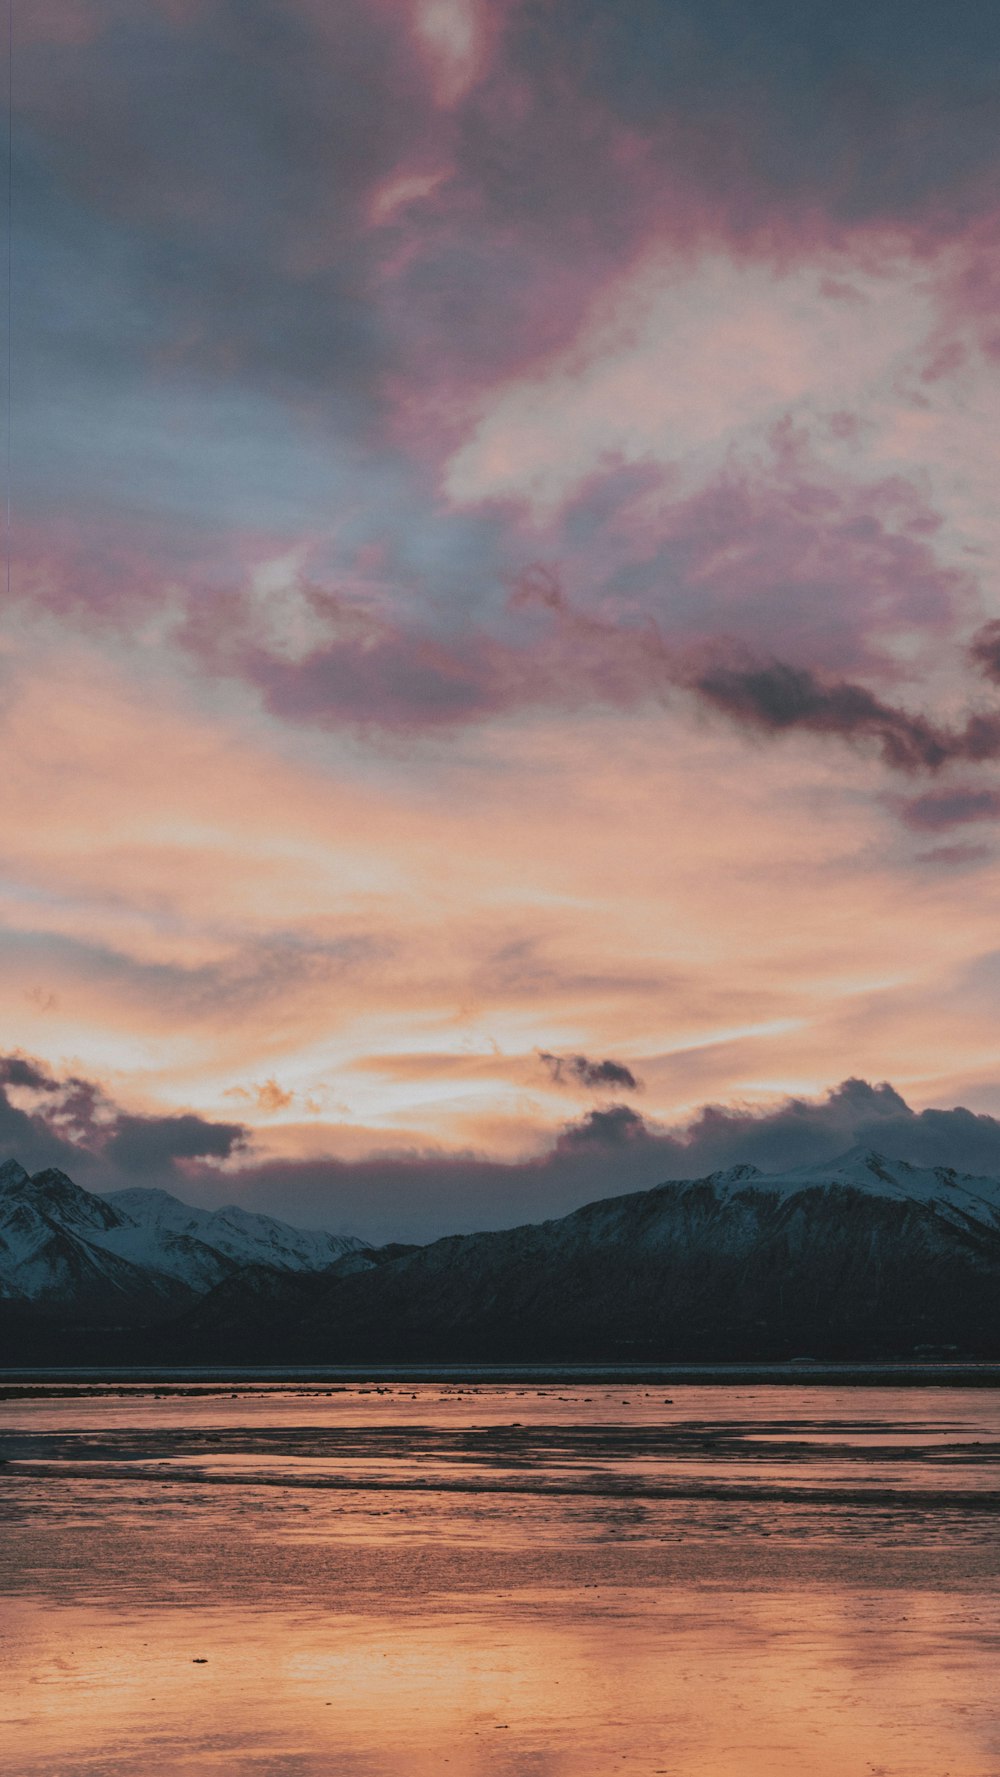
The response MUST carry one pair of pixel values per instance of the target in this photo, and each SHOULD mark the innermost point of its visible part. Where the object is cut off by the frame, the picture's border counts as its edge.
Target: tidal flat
(526, 1577)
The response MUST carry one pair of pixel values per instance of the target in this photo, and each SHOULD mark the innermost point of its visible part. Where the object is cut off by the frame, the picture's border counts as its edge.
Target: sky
(500, 670)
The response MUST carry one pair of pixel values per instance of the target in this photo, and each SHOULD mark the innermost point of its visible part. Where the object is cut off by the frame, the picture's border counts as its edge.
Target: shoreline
(16, 1381)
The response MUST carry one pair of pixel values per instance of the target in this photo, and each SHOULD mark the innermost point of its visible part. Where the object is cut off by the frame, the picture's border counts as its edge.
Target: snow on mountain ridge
(238, 1233)
(59, 1241)
(956, 1198)
(953, 1194)
(58, 1195)
(53, 1239)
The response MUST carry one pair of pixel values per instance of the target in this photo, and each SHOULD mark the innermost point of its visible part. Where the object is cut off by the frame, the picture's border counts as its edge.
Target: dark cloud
(29, 1139)
(985, 650)
(18, 1070)
(72, 1123)
(616, 1127)
(773, 697)
(237, 155)
(147, 1144)
(626, 662)
(584, 1072)
(855, 1113)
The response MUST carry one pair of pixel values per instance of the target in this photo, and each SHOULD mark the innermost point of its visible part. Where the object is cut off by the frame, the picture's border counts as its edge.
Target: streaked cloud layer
(504, 578)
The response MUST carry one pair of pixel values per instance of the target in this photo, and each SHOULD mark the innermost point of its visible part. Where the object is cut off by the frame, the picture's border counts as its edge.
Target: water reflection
(837, 1614)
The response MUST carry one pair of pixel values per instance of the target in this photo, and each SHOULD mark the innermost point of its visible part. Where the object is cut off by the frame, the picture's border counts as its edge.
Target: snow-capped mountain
(864, 1257)
(955, 1196)
(52, 1245)
(135, 1250)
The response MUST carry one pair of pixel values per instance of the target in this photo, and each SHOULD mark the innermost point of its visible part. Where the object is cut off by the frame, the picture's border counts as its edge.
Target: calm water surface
(565, 1580)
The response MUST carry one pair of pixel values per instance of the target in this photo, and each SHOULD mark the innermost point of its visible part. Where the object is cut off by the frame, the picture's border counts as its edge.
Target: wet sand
(560, 1580)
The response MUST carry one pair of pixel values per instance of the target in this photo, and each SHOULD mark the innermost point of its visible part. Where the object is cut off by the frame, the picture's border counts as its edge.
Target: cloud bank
(610, 1152)
(401, 1196)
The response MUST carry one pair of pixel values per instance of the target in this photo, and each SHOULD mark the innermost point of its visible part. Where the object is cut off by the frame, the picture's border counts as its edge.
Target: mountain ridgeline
(864, 1258)
(133, 1255)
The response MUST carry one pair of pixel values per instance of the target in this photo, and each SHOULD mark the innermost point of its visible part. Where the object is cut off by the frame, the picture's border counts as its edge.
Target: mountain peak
(12, 1176)
(873, 1158)
(60, 1242)
(78, 1208)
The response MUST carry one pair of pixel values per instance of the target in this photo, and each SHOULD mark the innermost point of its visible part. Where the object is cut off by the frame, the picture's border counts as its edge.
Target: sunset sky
(501, 668)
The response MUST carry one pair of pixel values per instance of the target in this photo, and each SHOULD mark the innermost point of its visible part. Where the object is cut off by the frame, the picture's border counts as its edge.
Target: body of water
(534, 1577)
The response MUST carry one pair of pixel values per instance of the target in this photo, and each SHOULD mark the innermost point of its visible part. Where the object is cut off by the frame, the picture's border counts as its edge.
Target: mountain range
(865, 1257)
(134, 1253)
